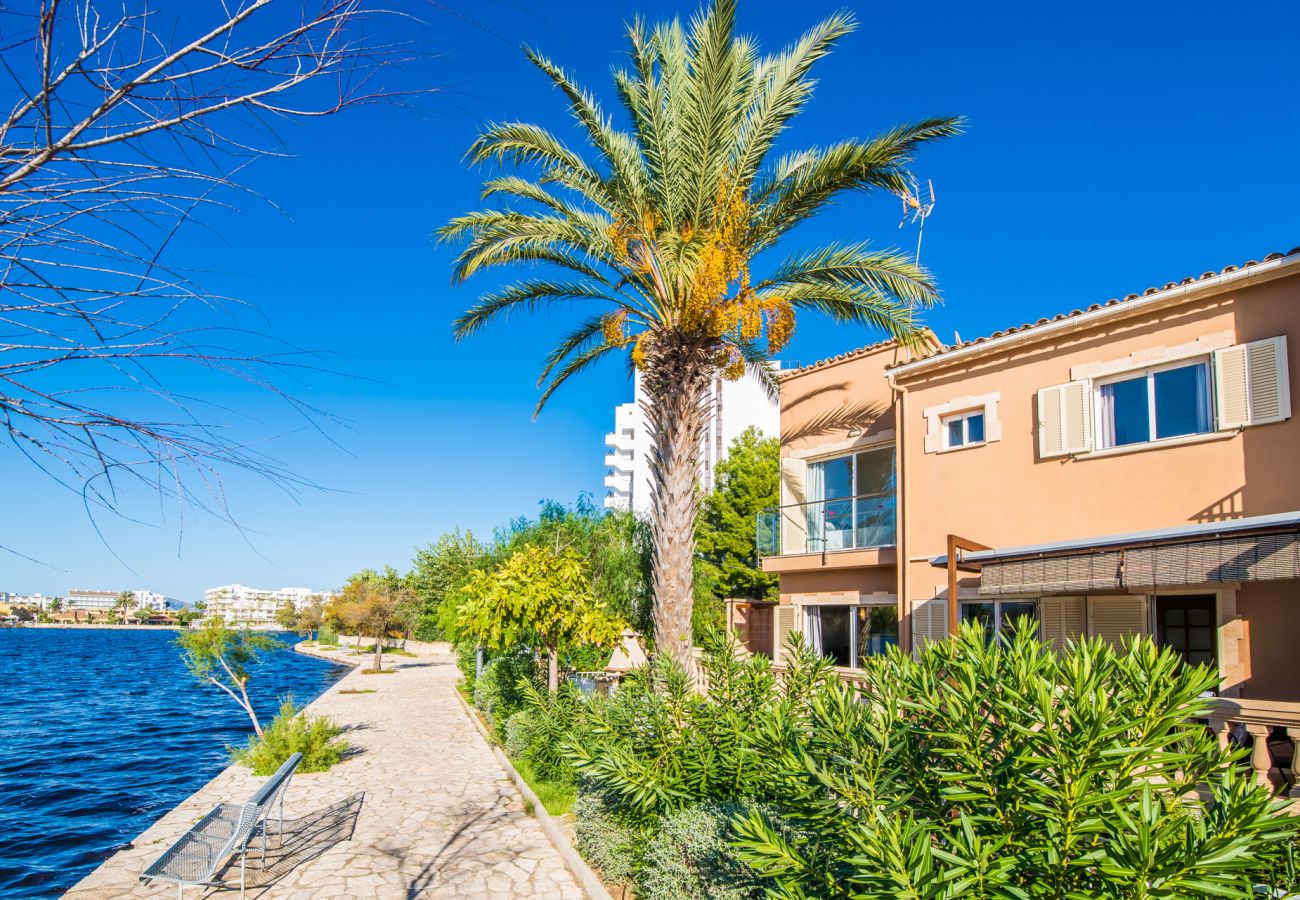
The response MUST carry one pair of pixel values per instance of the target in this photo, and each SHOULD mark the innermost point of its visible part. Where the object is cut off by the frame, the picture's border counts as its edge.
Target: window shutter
(783, 616)
(1114, 619)
(1269, 387)
(1064, 422)
(1064, 619)
(794, 519)
(1252, 384)
(929, 622)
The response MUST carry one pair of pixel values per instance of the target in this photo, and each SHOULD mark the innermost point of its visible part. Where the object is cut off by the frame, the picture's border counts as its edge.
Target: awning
(1261, 548)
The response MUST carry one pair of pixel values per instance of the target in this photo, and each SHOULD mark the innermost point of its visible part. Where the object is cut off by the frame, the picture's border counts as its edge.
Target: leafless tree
(124, 121)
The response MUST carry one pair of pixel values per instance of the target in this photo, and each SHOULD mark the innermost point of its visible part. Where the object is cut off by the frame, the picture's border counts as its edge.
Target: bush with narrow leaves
(1006, 770)
(315, 737)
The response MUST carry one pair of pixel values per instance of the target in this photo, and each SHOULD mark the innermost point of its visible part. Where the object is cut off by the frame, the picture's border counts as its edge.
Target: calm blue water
(101, 733)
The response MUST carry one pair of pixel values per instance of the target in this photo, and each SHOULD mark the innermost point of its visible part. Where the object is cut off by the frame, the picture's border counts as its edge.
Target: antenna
(917, 211)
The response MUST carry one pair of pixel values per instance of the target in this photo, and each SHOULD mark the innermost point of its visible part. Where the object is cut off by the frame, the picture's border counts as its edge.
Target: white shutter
(1064, 419)
(1064, 619)
(929, 622)
(1252, 384)
(1115, 618)
(782, 626)
(794, 519)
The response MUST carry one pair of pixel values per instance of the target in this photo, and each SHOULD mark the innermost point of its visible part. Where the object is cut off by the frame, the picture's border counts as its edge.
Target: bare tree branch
(122, 126)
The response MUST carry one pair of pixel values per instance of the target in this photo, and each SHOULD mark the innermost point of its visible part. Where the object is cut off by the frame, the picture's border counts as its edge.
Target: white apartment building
(94, 600)
(239, 604)
(107, 600)
(28, 601)
(733, 407)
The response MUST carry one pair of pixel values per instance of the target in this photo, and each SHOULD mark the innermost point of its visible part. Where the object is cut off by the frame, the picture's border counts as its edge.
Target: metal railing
(847, 523)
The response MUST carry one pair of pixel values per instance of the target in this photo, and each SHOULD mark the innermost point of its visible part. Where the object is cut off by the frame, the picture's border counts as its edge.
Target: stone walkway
(422, 809)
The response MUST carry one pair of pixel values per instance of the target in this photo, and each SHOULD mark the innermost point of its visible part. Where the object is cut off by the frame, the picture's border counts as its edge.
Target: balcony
(619, 460)
(618, 482)
(865, 522)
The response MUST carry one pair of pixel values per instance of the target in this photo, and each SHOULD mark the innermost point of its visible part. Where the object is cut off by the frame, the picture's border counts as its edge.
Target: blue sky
(1111, 146)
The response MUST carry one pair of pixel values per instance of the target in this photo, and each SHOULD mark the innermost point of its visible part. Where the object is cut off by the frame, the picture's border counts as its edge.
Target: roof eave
(1257, 273)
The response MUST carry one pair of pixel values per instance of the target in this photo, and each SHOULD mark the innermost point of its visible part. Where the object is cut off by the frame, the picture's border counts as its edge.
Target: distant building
(239, 604)
(155, 601)
(81, 599)
(28, 601)
(734, 406)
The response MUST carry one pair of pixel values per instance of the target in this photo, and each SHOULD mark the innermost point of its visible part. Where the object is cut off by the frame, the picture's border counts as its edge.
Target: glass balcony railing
(848, 523)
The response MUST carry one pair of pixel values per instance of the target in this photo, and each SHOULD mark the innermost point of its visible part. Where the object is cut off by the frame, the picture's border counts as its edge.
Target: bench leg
(243, 859)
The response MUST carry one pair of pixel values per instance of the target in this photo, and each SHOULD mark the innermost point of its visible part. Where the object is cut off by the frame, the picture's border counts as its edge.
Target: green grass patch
(378, 671)
(388, 651)
(557, 798)
(315, 737)
(357, 691)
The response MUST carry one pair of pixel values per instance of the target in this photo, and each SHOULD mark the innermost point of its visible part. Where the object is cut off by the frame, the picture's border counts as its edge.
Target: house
(1129, 468)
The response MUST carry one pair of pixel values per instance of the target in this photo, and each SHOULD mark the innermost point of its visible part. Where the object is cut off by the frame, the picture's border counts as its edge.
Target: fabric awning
(1263, 548)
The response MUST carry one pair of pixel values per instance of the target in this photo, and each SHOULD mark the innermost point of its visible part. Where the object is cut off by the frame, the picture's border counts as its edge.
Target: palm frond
(576, 363)
(526, 296)
(890, 273)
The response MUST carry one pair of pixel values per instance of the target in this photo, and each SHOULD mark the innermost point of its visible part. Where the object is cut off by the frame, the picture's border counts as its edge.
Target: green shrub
(518, 734)
(553, 721)
(496, 693)
(605, 840)
(690, 858)
(657, 746)
(1004, 769)
(467, 662)
(327, 638)
(315, 737)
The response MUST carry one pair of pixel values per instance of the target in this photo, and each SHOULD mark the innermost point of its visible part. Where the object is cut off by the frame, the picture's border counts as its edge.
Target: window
(963, 429)
(1154, 404)
(999, 616)
(852, 501)
(850, 634)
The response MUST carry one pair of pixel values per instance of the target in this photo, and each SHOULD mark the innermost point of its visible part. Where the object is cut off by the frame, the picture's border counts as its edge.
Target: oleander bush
(657, 746)
(1006, 770)
(690, 857)
(292, 731)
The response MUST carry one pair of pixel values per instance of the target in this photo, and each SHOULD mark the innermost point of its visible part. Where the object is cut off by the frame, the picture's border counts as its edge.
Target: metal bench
(195, 857)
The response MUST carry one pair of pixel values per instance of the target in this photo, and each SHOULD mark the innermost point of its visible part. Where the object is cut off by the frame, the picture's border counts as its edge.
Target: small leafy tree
(56, 604)
(540, 597)
(437, 572)
(373, 604)
(287, 616)
(310, 618)
(747, 482)
(221, 656)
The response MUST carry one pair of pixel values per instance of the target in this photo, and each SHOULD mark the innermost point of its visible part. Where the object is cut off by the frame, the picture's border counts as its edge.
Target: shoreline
(88, 626)
(233, 780)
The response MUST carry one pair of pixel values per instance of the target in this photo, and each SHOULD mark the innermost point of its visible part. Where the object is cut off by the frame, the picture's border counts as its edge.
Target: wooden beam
(955, 546)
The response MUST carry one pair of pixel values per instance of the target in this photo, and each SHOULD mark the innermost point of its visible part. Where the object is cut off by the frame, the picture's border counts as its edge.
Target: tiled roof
(1204, 276)
(847, 355)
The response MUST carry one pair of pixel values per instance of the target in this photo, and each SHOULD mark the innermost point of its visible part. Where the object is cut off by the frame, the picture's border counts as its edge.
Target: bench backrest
(267, 793)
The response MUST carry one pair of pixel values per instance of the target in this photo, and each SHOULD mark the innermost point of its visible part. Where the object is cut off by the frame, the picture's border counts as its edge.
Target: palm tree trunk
(676, 385)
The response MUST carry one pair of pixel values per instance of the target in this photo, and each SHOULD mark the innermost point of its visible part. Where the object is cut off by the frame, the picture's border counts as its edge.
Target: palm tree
(657, 225)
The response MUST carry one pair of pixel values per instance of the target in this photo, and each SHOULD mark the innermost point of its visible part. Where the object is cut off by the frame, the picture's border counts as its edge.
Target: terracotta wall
(1002, 494)
(820, 405)
(1271, 609)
